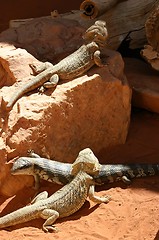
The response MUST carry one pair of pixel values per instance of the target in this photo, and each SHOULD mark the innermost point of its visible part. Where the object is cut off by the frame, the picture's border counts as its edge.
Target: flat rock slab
(144, 82)
(89, 111)
(45, 38)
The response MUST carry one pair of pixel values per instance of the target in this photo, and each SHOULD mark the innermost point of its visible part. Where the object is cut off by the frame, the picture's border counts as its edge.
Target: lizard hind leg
(39, 197)
(50, 215)
(126, 180)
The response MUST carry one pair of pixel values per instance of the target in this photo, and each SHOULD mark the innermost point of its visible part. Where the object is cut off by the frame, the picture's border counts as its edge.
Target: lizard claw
(106, 198)
(41, 90)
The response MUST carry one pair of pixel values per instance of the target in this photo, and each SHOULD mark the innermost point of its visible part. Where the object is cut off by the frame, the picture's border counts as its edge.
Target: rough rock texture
(144, 82)
(90, 111)
(151, 56)
(151, 52)
(152, 28)
(132, 214)
(12, 60)
(13, 68)
(46, 38)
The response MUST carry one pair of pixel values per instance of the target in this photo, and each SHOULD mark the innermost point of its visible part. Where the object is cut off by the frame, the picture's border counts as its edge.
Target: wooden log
(95, 8)
(124, 18)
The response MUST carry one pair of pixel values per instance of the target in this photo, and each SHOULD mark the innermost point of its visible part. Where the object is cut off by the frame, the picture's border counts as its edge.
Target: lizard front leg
(37, 181)
(97, 59)
(32, 154)
(51, 216)
(50, 84)
(97, 199)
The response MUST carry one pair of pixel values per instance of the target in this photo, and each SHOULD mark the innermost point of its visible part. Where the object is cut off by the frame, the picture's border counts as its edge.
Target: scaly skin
(60, 173)
(70, 67)
(61, 201)
(65, 201)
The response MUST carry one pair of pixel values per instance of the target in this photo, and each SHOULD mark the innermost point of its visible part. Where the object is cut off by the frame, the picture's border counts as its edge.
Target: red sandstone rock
(90, 111)
(150, 52)
(14, 64)
(151, 56)
(3, 158)
(144, 82)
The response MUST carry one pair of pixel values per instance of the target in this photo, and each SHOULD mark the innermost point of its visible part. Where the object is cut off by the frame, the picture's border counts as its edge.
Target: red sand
(133, 212)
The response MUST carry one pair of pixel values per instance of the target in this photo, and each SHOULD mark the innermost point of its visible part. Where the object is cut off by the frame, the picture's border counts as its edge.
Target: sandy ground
(133, 212)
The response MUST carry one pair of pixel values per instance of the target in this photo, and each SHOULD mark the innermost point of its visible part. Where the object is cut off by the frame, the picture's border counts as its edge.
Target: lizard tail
(13, 99)
(19, 216)
(38, 81)
(117, 172)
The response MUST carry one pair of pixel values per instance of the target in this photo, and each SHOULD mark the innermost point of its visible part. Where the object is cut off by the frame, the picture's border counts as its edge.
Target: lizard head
(23, 165)
(87, 162)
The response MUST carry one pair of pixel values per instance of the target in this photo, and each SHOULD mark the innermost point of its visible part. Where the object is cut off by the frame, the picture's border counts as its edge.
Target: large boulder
(89, 111)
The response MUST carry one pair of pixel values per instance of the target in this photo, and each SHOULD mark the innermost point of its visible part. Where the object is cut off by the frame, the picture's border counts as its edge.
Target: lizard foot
(105, 198)
(50, 229)
(97, 199)
(32, 154)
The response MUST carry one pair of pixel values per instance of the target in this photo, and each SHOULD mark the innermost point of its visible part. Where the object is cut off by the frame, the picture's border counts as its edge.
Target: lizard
(66, 200)
(60, 173)
(74, 65)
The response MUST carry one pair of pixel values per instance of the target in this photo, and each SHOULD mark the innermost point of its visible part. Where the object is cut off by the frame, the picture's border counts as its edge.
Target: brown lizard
(70, 67)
